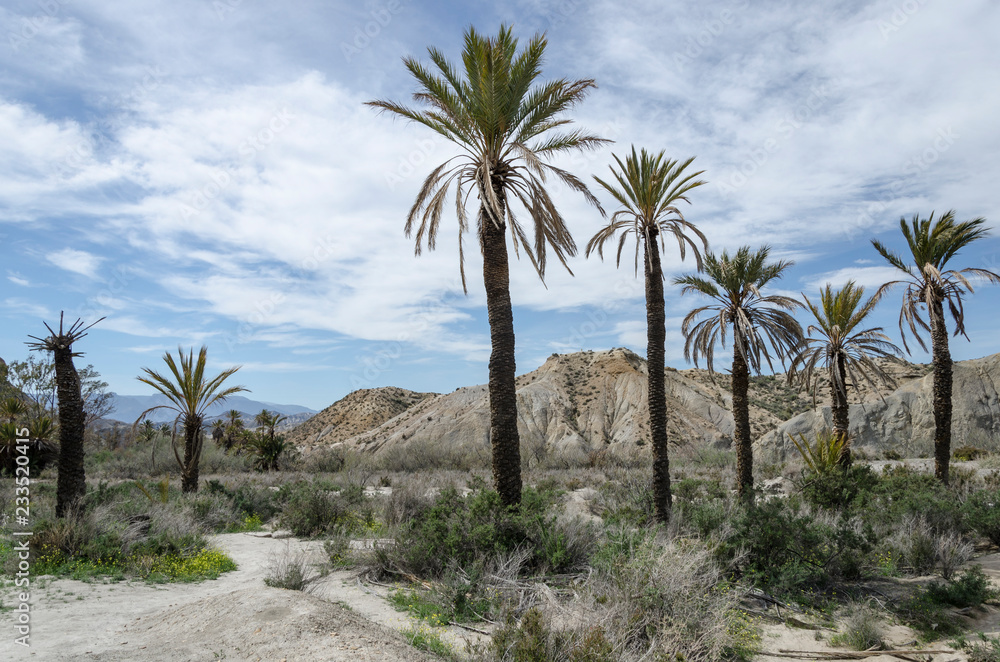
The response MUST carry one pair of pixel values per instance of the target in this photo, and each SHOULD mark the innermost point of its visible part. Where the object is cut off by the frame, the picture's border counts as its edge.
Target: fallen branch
(849, 655)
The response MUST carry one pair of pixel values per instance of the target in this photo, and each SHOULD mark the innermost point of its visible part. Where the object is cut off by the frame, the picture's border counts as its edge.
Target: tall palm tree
(848, 353)
(506, 124)
(190, 395)
(649, 190)
(234, 429)
(71, 484)
(930, 285)
(735, 283)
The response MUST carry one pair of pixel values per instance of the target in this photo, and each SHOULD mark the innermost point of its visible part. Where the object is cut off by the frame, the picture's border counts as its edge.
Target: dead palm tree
(848, 353)
(71, 484)
(929, 285)
(190, 395)
(757, 321)
(506, 124)
(649, 190)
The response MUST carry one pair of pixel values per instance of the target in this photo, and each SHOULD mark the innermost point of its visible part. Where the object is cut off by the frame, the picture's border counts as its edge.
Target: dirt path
(236, 617)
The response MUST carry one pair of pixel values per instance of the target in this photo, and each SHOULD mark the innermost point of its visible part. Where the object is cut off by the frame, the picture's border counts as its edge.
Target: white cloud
(80, 262)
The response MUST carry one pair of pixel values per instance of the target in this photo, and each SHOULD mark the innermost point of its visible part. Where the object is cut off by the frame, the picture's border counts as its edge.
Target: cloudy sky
(205, 172)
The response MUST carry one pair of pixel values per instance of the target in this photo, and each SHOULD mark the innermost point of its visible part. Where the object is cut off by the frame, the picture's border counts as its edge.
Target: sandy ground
(235, 617)
(238, 617)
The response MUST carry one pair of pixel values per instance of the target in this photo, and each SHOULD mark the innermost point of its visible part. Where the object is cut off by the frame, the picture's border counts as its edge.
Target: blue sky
(206, 172)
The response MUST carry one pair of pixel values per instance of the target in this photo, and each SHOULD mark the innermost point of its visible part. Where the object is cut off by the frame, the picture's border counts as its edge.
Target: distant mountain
(127, 408)
(354, 414)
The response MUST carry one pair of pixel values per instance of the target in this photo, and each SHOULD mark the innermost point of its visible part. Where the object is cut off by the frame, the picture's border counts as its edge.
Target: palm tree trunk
(504, 438)
(942, 392)
(655, 339)
(192, 454)
(741, 419)
(841, 412)
(71, 485)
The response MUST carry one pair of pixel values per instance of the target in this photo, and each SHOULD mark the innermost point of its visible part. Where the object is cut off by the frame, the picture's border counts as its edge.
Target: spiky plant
(929, 285)
(649, 189)
(506, 124)
(845, 351)
(190, 394)
(71, 485)
(757, 321)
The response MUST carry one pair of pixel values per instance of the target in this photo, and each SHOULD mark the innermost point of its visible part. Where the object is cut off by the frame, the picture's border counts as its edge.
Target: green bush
(457, 532)
(312, 509)
(971, 589)
(902, 492)
(838, 487)
(981, 513)
(776, 545)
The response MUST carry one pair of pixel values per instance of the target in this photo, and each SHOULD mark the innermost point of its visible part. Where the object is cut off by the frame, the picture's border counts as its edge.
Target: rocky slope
(573, 403)
(904, 420)
(354, 414)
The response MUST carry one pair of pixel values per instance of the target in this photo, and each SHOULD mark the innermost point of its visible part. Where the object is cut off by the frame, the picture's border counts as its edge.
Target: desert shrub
(951, 551)
(987, 649)
(981, 513)
(313, 508)
(248, 498)
(457, 532)
(971, 589)
(289, 570)
(405, 504)
(626, 497)
(863, 629)
(968, 453)
(902, 492)
(324, 460)
(425, 455)
(702, 517)
(910, 544)
(778, 545)
(837, 487)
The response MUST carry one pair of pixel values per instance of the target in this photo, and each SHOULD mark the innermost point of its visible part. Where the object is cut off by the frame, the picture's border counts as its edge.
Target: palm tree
(735, 283)
(268, 421)
(71, 484)
(847, 353)
(506, 124)
(190, 395)
(234, 428)
(928, 284)
(650, 189)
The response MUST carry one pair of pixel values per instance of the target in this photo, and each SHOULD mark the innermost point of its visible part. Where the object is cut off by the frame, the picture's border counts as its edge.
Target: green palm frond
(186, 388)
(823, 455)
(927, 280)
(649, 188)
(505, 123)
(757, 321)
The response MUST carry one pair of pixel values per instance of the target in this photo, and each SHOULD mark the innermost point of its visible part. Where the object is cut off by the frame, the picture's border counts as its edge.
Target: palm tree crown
(506, 124)
(931, 245)
(649, 188)
(735, 283)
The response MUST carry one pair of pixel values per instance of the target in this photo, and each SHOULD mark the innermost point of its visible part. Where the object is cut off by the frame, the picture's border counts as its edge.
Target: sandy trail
(235, 617)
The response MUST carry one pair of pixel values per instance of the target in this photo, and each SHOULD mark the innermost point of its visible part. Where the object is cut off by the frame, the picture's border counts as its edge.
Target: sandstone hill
(354, 414)
(903, 420)
(573, 403)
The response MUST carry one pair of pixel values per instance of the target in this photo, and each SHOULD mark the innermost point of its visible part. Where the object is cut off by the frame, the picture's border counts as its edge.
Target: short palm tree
(190, 395)
(71, 484)
(837, 343)
(932, 244)
(235, 427)
(506, 124)
(267, 421)
(757, 321)
(649, 190)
